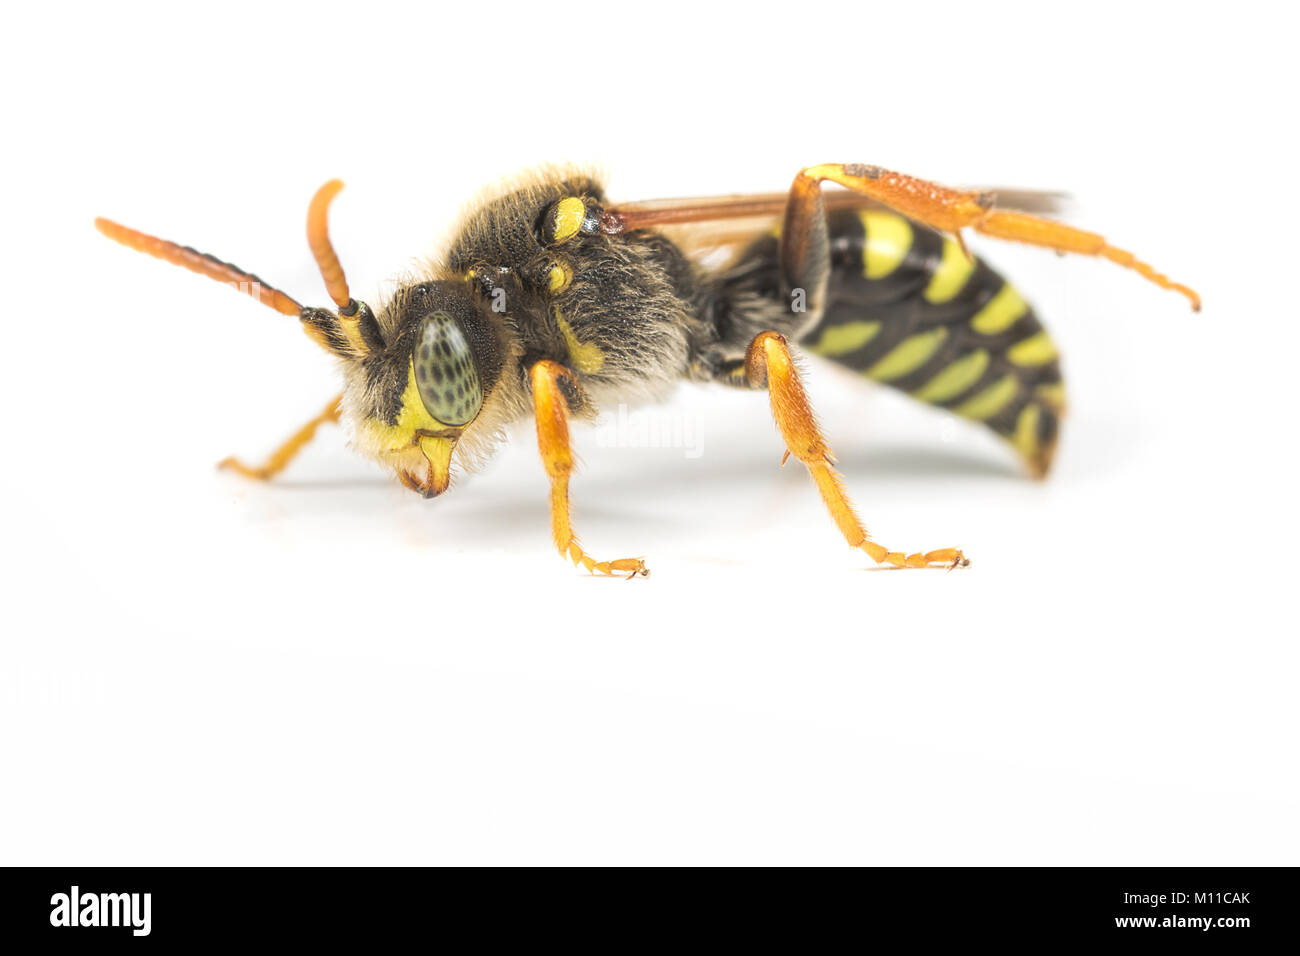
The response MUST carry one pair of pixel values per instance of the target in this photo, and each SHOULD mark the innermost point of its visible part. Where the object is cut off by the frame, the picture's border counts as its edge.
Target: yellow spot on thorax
(843, 339)
(583, 356)
(908, 355)
(558, 277)
(888, 240)
(569, 213)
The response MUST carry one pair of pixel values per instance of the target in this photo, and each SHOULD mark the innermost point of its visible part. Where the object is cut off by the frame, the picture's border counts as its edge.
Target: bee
(550, 302)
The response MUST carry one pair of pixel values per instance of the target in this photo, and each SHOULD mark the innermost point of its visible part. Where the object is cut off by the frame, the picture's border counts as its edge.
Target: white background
(329, 669)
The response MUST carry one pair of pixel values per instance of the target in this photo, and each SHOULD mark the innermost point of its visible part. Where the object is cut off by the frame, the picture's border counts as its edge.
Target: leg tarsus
(572, 550)
(949, 558)
(280, 458)
(231, 463)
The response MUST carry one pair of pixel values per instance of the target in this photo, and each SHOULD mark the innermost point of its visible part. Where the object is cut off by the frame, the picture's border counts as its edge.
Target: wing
(714, 230)
(668, 212)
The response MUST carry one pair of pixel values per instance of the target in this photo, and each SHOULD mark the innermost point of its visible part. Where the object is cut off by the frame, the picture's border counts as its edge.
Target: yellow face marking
(908, 355)
(567, 218)
(1000, 312)
(1025, 439)
(954, 271)
(1035, 350)
(412, 417)
(585, 357)
(437, 452)
(889, 238)
(991, 400)
(558, 278)
(846, 338)
(955, 379)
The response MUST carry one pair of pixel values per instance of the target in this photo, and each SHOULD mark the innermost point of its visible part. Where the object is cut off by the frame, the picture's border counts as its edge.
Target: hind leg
(941, 208)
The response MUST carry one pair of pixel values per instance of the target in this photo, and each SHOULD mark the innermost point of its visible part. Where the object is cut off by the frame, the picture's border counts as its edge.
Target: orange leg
(281, 457)
(552, 411)
(768, 363)
(951, 210)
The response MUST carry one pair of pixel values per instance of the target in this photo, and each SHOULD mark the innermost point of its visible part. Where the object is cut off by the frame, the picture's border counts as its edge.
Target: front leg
(768, 363)
(552, 411)
(281, 457)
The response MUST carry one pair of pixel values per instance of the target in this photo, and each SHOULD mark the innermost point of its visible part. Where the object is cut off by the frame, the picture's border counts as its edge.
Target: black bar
(1224, 907)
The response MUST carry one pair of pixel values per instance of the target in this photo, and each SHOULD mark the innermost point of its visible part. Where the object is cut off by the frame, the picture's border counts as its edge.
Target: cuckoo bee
(550, 300)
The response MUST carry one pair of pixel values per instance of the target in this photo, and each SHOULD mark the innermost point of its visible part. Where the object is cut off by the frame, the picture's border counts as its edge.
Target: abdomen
(908, 308)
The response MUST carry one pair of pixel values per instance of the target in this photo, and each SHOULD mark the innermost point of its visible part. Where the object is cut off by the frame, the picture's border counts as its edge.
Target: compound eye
(566, 219)
(445, 372)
